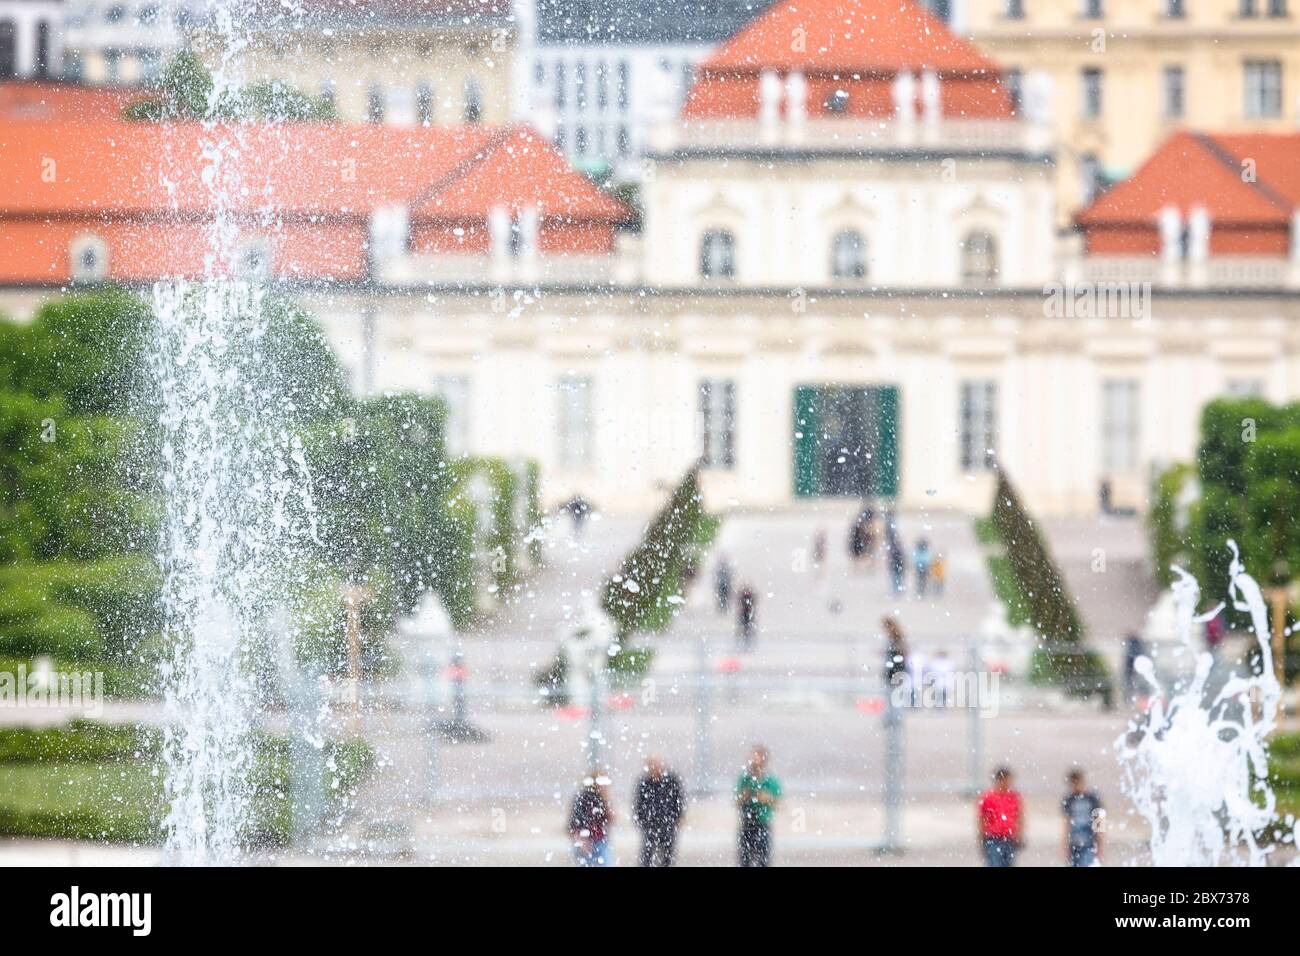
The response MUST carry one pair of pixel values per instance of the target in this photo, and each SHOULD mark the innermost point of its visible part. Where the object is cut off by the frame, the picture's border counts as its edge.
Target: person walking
(819, 554)
(578, 508)
(746, 617)
(897, 561)
(758, 793)
(1214, 635)
(922, 560)
(858, 542)
(1083, 814)
(1000, 819)
(1133, 649)
(657, 808)
(722, 584)
(589, 821)
(938, 574)
(896, 656)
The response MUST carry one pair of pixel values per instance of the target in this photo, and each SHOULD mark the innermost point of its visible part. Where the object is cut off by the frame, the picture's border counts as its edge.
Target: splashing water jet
(1196, 763)
(236, 488)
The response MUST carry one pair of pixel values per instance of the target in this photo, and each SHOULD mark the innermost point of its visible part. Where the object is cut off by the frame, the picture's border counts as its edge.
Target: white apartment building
(598, 78)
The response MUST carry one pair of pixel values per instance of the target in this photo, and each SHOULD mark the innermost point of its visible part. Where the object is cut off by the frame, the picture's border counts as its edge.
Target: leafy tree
(392, 503)
(185, 91)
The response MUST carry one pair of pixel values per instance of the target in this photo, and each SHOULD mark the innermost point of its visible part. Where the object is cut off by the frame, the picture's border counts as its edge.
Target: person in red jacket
(1000, 819)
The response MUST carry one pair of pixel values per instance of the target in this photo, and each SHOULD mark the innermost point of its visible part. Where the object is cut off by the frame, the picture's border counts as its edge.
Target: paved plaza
(810, 691)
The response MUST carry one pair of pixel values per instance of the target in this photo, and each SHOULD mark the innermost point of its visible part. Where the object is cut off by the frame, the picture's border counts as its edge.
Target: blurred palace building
(846, 257)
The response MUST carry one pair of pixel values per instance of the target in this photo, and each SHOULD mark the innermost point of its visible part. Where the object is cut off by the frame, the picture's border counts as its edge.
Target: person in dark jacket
(589, 821)
(746, 617)
(657, 808)
(722, 584)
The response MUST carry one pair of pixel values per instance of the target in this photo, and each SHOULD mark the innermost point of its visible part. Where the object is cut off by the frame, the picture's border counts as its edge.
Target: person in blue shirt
(1083, 815)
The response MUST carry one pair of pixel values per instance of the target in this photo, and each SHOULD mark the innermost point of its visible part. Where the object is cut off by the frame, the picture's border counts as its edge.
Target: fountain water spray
(1196, 763)
(236, 487)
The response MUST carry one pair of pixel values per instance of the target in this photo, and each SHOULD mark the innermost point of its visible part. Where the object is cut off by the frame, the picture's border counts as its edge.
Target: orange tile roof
(1195, 169)
(866, 36)
(518, 168)
(323, 179)
(855, 47)
(21, 99)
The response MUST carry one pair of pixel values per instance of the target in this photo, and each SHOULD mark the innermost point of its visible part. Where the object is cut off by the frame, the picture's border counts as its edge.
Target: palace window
(977, 421)
(453, 390)
(848, 255)
(1119, 426)
(575, 422)
(718, 255)
(1174, 93)
(718, 423)
(1263, 88)
(979, 259)
(1090, 95)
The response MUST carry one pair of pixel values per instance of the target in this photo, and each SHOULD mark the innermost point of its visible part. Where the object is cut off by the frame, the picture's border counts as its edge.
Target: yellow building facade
(406, 73)
(1116, 78)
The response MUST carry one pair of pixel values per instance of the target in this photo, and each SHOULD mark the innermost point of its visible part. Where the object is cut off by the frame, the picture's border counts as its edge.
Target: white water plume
(1196, 763)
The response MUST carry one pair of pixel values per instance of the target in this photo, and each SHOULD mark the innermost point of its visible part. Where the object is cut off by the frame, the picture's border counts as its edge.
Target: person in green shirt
(757, 794)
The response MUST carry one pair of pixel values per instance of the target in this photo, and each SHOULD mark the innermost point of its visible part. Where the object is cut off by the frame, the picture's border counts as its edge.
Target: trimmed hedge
(1028, 580)
(1051, 610)
(103, 782)
(644, 594)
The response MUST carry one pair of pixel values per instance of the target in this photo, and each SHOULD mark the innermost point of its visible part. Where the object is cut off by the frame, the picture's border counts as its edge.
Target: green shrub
(1052, 611)
(1168, 528)
(645, 594)
(90, 781)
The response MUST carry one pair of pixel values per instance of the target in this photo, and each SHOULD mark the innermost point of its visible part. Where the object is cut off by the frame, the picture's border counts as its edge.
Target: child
(1000, 819)
(938, 573)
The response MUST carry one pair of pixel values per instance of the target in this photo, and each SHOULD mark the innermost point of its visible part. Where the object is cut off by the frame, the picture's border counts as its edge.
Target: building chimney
(769, 103)
(931, 98)
(1198, 235)
(1295, 248)
(389, 235)
(796, 97)
(529, 223)
(904, 92)
(1171, 235)
(499, 233)
(1171, 246)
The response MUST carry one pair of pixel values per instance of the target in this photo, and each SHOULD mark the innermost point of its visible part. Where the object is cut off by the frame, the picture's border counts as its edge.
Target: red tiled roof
(518, 169)
(319, 181)
(1249, 183)
(854, 46)
(865, 36)
(64, 101)
(1191, 169)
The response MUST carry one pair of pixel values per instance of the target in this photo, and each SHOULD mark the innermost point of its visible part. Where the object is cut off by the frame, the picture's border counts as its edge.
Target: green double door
(845, 441)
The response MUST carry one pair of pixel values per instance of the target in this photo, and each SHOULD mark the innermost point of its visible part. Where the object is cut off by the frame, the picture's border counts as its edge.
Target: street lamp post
(1279, 597)
(893, 796)
(703, 720)
(975, 750)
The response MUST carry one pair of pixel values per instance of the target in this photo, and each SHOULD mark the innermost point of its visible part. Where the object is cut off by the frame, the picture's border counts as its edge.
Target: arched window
(848, 255)
(89, 256)
(979, 259)
(718, 255)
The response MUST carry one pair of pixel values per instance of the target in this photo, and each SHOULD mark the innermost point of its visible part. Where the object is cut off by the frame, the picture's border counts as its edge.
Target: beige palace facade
(1117, 77)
